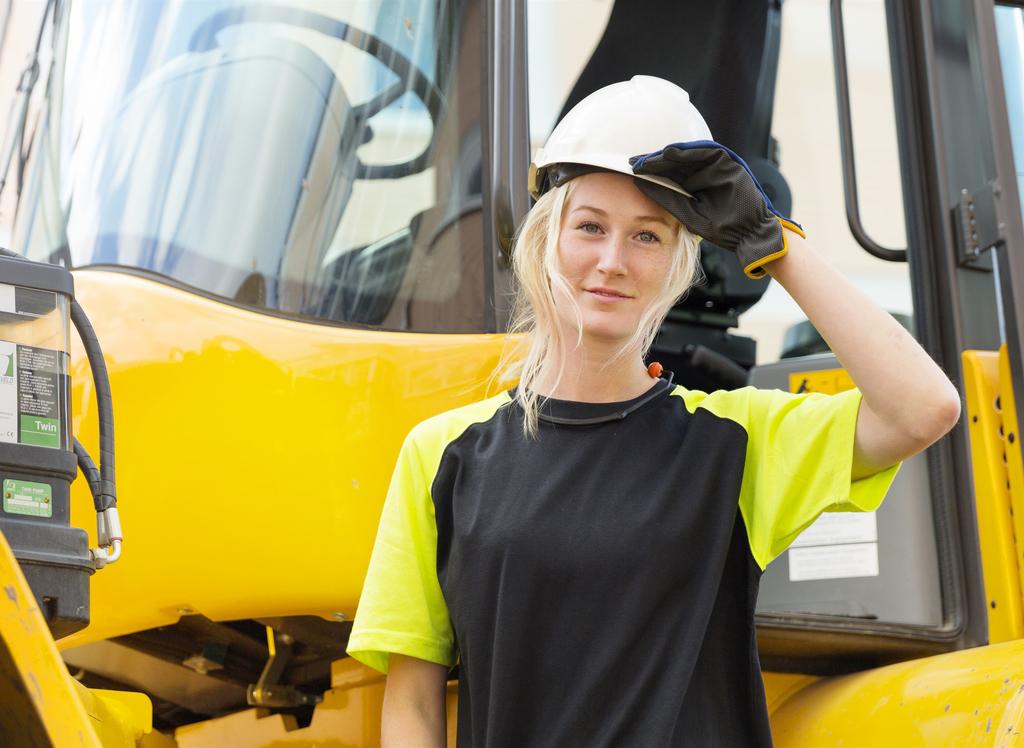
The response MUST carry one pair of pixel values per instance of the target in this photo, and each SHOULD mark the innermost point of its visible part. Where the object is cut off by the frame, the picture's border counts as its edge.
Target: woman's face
(615, 250)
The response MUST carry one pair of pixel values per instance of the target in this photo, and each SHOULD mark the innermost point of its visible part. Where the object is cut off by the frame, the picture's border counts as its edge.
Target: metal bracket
(977, 223)
(268, 691)
(212, 658)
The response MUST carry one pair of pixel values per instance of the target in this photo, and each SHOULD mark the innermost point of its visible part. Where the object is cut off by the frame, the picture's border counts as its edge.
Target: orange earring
(655, 369)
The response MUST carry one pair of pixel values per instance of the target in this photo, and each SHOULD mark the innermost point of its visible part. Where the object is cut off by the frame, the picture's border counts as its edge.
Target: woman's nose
(612, 257)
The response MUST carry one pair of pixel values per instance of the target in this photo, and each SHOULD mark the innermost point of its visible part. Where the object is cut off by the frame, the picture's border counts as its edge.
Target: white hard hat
(631, 118)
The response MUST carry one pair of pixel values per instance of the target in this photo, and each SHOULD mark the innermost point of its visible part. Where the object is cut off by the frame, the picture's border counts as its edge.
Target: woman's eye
(648, 237)
(590, 228)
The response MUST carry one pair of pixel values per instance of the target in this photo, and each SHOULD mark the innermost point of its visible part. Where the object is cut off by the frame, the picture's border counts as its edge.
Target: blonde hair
(536, 268)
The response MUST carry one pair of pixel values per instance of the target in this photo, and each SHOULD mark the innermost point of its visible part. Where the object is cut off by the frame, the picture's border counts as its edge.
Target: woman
(588, 546)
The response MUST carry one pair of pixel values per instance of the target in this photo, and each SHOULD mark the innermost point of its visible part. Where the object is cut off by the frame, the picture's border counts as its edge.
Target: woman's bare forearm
(407, 727)
(911, 401)
(414, 704)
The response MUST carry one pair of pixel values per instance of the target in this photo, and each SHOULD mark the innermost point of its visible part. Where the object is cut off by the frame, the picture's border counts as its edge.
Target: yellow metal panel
(120, 718)
(53, 703)
(157, 739)
(1012, 460)
(778, 687)
(253, 452)
(974, 697)
(992, 496)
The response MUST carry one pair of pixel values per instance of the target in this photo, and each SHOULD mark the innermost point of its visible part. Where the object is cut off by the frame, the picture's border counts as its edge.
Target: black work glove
(728, 207)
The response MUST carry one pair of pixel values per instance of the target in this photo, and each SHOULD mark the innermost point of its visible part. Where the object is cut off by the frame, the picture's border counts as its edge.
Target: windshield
(316, 158)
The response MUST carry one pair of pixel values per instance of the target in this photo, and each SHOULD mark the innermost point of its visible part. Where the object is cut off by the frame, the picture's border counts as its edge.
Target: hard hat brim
(536, 178)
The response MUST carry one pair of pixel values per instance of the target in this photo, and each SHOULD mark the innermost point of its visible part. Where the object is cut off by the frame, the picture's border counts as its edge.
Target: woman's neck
(590, 376)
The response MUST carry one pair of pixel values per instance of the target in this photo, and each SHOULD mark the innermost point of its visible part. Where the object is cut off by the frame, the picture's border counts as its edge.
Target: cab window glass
(1010, 33)
(316, 158)
(804, 124)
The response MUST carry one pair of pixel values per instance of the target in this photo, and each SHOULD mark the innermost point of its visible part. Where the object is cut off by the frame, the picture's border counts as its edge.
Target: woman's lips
(608, 294)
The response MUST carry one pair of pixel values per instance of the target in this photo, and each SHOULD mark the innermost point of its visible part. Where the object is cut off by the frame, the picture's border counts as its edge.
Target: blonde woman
(587, 547)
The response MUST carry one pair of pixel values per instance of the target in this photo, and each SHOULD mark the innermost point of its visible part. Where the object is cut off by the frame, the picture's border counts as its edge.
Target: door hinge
(977, 225)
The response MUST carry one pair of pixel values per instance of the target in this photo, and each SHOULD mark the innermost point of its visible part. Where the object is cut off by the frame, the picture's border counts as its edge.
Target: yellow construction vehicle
(289, 223)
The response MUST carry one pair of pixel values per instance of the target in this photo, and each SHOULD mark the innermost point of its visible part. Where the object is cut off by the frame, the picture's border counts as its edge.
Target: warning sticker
(828, 381)
(38, 393)
(833, 561)
(25, 497)
(837, 545)
(8, 393)
(835, 528)
(30, 395)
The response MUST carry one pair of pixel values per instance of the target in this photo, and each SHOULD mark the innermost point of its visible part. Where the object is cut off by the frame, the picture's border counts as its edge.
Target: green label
(40, 432)
(25, 497)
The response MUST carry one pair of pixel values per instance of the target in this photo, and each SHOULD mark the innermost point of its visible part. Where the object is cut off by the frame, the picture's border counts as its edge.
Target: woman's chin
(601, 328)
(606, 334)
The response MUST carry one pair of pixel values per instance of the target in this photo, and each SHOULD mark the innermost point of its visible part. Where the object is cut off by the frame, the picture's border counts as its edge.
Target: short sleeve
(799, 463)
(401, 609)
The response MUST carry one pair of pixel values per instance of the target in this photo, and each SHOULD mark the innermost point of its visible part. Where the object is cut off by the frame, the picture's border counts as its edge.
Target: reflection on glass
(302, 157)
(1010, 35)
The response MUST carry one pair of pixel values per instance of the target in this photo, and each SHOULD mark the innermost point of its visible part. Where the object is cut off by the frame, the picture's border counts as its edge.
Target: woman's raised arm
(909, 402)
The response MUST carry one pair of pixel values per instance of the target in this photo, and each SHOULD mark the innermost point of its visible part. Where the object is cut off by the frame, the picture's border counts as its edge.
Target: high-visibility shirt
(597, 584)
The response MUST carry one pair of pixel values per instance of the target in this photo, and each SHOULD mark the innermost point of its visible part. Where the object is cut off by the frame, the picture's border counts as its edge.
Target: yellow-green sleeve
(799, 463)
(401, 609)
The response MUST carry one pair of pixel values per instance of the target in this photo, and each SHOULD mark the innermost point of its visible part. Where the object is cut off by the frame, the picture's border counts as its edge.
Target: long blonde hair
(534, 315)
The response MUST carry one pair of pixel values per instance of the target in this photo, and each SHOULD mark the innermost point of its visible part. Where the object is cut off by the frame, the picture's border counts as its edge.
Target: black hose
(107, 495)
(88, 468)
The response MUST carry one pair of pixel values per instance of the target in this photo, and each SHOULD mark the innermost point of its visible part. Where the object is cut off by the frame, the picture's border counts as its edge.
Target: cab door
(958, 109)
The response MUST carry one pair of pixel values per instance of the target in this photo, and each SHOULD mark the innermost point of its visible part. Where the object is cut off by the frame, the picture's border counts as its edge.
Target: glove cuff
(792, 226)
(755, 258)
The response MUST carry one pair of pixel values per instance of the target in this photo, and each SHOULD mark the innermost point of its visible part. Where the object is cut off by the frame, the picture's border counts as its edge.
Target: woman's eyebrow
(638, 219)
(655, 219)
